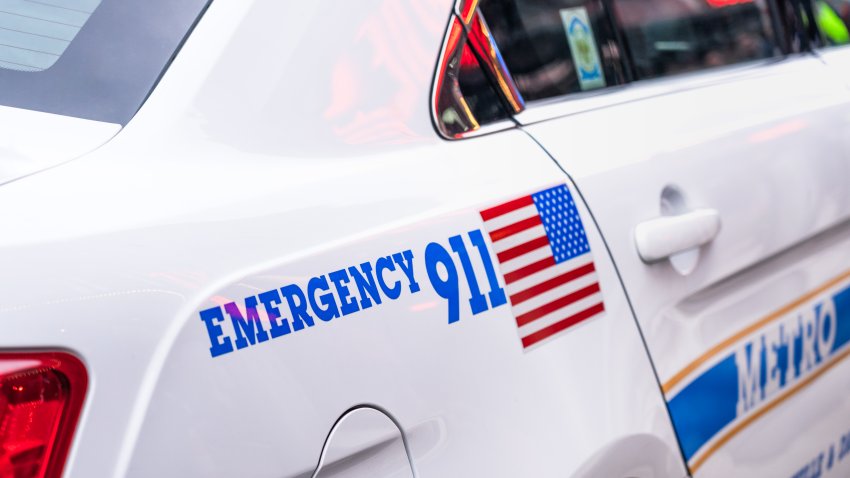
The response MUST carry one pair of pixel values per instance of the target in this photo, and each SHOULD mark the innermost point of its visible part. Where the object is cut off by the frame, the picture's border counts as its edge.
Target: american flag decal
(545, 258)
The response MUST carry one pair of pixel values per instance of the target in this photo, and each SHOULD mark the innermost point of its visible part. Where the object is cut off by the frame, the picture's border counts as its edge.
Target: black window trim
(585, 101)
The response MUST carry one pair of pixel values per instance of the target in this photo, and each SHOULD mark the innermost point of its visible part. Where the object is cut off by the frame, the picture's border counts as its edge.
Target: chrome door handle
(663, 237)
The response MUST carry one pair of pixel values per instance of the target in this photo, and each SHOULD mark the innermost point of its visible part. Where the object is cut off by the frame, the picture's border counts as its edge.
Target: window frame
(641, 89)
(633, 89)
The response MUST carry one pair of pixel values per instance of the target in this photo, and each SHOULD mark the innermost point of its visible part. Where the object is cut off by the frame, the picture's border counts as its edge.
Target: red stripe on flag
(515, 228)
(505, 208)
(550, 284)
(556, 304)
(553, 329)
(521, 249)
(526, 271)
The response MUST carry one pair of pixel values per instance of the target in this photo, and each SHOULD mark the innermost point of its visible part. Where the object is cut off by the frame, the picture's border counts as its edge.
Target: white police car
(390, 238)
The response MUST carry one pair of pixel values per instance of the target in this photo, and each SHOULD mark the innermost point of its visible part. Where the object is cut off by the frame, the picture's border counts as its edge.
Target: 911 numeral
(447, 285)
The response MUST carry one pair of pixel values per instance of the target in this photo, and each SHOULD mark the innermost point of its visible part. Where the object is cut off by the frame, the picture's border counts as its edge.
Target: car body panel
(33, 141)
(208, 195)
(289, 141)
(776, 172)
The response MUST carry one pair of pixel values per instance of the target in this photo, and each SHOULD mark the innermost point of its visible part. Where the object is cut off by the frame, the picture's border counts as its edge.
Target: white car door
(722, 195)
(279, 239)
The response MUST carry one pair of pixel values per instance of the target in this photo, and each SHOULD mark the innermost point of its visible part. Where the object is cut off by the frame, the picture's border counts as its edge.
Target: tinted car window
(555, 47)
(666, 37)
(479, 94)
(93, 59)
(33, 35)
(832, 18)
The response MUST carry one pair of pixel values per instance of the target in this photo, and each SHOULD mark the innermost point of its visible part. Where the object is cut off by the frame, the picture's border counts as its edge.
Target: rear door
(716, 166)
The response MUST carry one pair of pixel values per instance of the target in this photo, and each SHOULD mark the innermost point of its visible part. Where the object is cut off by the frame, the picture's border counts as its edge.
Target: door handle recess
(665, 236)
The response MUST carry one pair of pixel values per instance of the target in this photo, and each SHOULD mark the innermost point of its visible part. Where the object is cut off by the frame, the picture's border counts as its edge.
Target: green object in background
(830, 24)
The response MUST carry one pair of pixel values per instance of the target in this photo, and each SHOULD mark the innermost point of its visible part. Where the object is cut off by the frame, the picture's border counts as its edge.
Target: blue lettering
(382, 264)
(210, 318)
(831, 457)
(271, 299)
(405, 262)
(447, 288)
(340, 278)
(330, 310)
(844, 448)
(477, 301)
(365, 282)
(248, 330)
(297, 306)
(497, 293)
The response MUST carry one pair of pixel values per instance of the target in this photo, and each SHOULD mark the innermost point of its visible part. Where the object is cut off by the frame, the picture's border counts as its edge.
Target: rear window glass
(92, 59)
(35, 33)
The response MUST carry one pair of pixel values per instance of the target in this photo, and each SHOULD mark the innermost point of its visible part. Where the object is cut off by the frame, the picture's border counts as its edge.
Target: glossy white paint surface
(33, 141)
(838, 59)
(288, 140)
(766, 146)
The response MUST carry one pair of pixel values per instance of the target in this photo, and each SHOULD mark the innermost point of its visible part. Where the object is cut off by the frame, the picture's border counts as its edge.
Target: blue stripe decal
(702, 408)
(842, 309)
(759, 369)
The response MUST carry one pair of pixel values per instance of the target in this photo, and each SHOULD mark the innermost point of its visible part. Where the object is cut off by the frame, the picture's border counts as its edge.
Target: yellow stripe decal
(700, 460)
(689, 369)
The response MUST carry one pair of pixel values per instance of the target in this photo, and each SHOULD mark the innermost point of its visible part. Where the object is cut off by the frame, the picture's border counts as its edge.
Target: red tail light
(470, 51)
(41, 395)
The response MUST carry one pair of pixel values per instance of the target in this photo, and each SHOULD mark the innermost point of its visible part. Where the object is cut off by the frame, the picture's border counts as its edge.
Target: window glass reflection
(555, 47)
(832, 18)
(666, 37)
